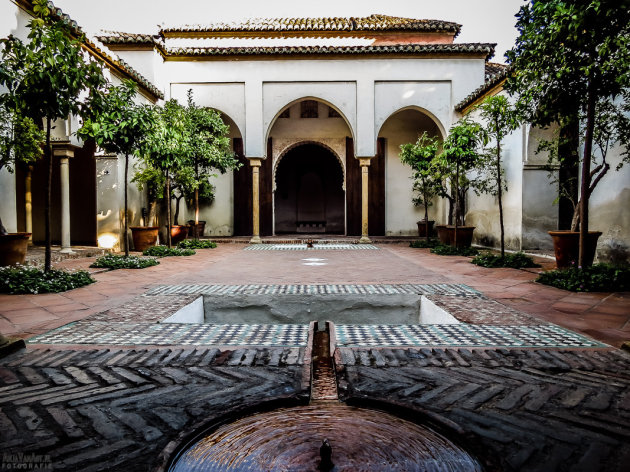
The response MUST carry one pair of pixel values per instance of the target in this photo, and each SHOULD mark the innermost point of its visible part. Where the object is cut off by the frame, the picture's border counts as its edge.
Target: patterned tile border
(303, 247)
(165, 334)
(328, 289)
(463, 335)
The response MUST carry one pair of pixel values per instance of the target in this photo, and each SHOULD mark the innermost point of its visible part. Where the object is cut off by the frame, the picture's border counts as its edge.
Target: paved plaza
(523, 376)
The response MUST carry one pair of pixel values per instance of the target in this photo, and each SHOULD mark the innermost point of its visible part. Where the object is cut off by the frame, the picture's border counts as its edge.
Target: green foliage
(515, 260)
(566, 50)
(423, 243)
(163, 251)
(115, 261)
(419, 156)
(20, 139)
(597, 278)
(447, 250)
(25, 279)
(196, 244)
(460, 154)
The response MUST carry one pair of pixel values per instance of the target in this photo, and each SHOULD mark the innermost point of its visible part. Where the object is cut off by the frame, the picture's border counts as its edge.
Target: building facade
(318, 109)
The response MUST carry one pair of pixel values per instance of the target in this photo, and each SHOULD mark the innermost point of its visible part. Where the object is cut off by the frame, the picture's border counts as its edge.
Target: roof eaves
(493, 83)
(486, 49)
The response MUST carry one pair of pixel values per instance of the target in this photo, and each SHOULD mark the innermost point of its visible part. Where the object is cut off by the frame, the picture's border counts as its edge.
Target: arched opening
(405, 126)
(309, 196)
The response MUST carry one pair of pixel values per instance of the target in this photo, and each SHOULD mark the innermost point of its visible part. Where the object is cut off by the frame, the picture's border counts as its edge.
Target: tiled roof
(495, 74)
(119, 37)
(58, 14)
(368, 23)
(423, 49)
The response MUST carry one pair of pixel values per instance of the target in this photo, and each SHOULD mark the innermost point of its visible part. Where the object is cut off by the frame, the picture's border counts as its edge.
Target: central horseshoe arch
(309, 190)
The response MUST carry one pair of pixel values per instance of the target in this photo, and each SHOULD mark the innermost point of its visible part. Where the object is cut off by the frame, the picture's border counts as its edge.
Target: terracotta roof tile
(458, 48)
(369, 23)
(119, 37)
(58, 14)
(495, 74)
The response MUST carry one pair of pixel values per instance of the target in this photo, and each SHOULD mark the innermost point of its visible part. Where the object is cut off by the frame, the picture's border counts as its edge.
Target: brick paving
(515, 409)
(117, 409)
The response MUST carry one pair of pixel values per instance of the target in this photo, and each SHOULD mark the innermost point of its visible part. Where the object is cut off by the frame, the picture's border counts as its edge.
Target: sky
(483, 21)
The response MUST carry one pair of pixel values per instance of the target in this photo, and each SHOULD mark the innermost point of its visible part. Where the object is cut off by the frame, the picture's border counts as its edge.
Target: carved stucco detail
(280, 146)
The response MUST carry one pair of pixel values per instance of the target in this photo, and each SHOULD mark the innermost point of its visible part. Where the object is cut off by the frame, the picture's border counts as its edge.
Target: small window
(308, 109)
(332, 113)
(286, 113)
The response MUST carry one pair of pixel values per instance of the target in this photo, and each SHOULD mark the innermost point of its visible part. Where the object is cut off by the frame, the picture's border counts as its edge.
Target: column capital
(63, 149)
(364, 161)
(255, 161)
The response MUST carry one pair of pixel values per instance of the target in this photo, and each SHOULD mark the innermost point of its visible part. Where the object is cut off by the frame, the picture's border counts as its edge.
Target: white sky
(487, 21)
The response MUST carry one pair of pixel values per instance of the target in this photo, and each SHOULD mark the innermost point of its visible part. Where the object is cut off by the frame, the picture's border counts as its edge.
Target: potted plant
(153, 180)
(459, 156)
(119, 127)
(419, 156)
(582, 81)
(19, 144)
(48, 79)
(210, 151)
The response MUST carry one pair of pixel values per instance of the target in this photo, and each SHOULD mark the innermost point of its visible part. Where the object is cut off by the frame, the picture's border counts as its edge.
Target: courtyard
(124, 373)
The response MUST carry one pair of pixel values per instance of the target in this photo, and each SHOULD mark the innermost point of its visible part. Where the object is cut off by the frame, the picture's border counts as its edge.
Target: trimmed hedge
(164, 251)
(423, 244)
(115, 261)
(445, 250)
(196, 244)
(597, 278)
(516, 260)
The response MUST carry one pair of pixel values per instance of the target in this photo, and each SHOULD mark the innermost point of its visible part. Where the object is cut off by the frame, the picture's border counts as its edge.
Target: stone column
(64, 153)
(28, 199)
(255, 163)
(364, 162)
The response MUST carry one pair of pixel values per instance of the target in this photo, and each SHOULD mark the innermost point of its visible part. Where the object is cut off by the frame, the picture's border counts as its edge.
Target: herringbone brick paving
(117, 409)
(518, 410)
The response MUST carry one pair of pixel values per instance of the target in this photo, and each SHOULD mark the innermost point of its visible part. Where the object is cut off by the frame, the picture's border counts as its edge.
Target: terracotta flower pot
(178, 233)
(443, 234)
(464, 235)
(201, 226)
(566, 246)
(422, 228)
(144, 236)
(13, 248)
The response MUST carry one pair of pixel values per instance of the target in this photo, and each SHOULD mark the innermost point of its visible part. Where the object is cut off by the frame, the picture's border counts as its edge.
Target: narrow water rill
(325, 435)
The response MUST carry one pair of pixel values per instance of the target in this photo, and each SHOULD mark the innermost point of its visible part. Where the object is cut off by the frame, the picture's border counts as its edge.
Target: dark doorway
(309, 194)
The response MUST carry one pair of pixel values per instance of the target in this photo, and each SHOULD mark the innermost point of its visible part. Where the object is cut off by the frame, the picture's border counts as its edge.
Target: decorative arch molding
(280, 148)
(424, 111)
(341, 96)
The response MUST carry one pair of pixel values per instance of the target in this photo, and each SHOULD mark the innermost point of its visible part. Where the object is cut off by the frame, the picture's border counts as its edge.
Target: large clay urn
(13, 248)
(566, 246)
(144, 237)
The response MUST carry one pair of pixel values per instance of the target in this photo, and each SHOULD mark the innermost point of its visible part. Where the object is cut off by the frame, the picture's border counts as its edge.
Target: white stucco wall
(400, 213)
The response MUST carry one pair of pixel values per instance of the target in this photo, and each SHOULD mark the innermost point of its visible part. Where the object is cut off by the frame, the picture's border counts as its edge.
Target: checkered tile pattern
(303, 247)
(164, 334)
(463, 335)
(328, 289)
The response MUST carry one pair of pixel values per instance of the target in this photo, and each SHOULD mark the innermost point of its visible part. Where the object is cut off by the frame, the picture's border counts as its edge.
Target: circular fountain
(327, 436)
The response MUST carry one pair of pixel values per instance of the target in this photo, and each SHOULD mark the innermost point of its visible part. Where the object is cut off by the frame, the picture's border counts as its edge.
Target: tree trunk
(176, 215)
(586, 172)
(500, 195)
(168, 210)
(126, 237)
(568, 173)
(196, 232)
(456, 203)
(47, 256)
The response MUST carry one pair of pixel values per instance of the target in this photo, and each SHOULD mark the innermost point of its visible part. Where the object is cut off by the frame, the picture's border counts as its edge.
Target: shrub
(196, 244)
(24, 279)
(516, 260)
(423, 243)
(114, 261)
(597, 278)
(164, 251)
(445, 250)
